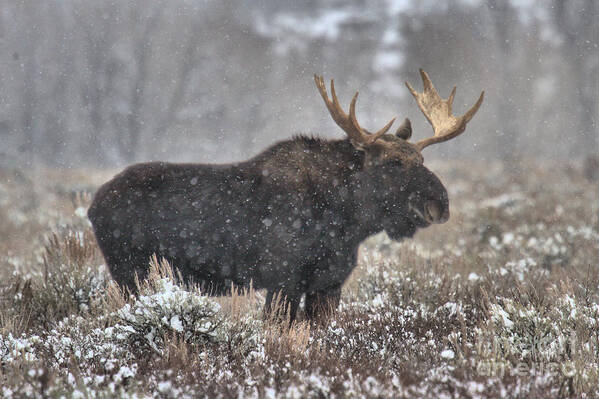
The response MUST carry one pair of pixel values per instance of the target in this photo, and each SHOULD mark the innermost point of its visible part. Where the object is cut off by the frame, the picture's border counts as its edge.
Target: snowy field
(501, 301)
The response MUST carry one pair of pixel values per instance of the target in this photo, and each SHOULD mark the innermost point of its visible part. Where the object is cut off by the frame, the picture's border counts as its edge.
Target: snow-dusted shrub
(170, 310)
(68, 282)
(243, 336)
(101, 350)
(103, 359)
(14, 349)
(70, 272)
(558, 333)
(388, 284)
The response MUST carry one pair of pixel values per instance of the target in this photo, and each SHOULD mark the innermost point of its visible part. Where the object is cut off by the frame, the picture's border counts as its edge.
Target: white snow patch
(176, 323)
(81, 212)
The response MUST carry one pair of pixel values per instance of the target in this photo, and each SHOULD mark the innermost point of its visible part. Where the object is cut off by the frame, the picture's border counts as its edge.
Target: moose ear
(405, 130)
(358, 145)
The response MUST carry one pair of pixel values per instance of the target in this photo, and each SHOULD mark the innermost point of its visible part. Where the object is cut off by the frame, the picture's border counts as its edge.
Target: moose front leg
(324, 289)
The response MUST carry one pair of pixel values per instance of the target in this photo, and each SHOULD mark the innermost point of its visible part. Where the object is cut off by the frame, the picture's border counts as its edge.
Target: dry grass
(501, 301)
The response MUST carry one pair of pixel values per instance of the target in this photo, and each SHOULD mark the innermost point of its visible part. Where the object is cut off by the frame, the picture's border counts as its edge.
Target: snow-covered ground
(501, 301)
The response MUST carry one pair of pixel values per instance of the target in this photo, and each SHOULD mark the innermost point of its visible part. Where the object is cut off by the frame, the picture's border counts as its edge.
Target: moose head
(398, 191)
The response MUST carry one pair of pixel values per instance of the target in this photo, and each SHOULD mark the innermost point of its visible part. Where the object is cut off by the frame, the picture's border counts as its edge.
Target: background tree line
(104, 83)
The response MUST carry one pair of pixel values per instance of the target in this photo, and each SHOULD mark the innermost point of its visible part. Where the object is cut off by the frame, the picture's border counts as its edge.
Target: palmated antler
(348, 123)
(438, 112)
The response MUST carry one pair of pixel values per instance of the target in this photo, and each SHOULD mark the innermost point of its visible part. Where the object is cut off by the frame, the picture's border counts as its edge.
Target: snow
(326, 24)
(387, 61)
(176, 323)
(81, 212)
(498, 313)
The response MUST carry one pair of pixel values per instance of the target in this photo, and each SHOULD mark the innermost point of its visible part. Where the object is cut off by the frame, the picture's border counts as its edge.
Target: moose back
(289, 220)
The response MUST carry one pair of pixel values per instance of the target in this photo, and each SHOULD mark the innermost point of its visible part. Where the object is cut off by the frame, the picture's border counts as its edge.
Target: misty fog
(101, 83)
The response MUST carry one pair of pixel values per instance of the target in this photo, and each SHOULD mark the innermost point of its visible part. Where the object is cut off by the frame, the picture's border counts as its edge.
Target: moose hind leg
(279, 303)
(124, 270)
(322, 304)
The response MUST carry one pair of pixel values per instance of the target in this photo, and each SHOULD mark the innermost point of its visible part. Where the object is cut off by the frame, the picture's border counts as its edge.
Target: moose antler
(348, 123)
(438, 112)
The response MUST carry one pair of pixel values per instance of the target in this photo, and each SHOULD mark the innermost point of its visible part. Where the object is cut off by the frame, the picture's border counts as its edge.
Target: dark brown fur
(290, 220)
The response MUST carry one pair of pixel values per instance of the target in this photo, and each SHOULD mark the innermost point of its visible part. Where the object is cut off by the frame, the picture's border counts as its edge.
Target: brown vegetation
(503, 300)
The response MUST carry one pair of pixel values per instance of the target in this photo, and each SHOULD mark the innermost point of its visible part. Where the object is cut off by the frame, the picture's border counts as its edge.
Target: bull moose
(291, 219)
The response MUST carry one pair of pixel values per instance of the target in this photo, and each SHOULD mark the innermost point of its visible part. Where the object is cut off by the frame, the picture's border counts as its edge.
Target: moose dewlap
(290, 219)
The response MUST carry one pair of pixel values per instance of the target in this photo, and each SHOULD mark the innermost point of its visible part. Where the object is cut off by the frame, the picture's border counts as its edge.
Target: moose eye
(394, 163)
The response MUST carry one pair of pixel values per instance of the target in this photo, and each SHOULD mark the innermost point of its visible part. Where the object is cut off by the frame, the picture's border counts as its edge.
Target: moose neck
(337, 175)
(327, 172)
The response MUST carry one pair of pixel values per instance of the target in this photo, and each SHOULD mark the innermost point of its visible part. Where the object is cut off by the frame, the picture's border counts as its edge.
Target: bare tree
(26, 59)
(103, 82)
(99, 36)
(576, 21)
(504, 20)
(144, 27)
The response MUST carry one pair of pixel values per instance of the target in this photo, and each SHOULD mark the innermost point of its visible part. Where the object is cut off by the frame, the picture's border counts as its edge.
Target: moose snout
(435, 212)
